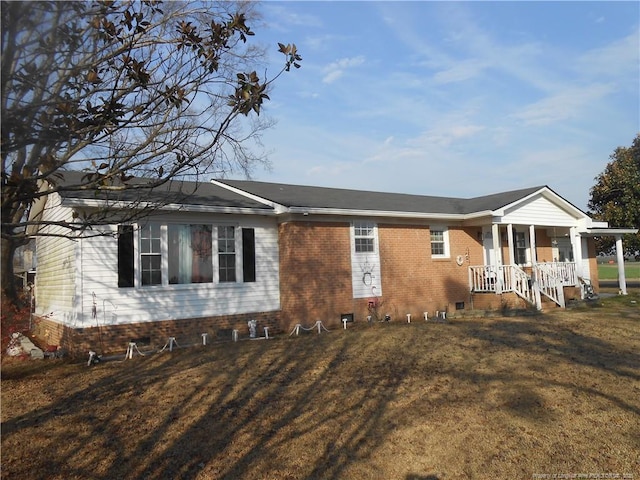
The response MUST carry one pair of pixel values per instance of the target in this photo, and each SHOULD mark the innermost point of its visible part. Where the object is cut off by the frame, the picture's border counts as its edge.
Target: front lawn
(504, 398)
(609, 271)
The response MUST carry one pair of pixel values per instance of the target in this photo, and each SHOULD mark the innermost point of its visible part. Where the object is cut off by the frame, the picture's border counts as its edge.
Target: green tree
(124, 89)
(615, 198)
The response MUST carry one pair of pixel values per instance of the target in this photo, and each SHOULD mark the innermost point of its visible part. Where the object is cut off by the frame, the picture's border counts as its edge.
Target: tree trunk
(9, 287)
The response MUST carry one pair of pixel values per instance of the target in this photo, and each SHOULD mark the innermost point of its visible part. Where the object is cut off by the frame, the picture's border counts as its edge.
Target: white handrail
(548, 279)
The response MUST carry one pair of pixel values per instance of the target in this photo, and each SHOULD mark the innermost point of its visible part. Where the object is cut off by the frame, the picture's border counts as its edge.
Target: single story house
(231, 251)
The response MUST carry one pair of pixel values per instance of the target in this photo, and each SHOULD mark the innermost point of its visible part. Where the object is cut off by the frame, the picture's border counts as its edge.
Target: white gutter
(608, 231)
(91, 203)
(384, 213)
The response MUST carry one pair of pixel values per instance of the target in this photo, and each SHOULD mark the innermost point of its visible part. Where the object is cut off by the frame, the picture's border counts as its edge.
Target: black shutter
(125, 256)
(248, 255)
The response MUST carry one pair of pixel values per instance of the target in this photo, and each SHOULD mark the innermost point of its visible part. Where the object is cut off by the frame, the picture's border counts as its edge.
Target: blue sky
(452, 98)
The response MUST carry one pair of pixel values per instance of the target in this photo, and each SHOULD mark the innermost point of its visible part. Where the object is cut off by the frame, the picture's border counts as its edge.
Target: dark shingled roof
(336, 198)
(175, 191)
(207, 194)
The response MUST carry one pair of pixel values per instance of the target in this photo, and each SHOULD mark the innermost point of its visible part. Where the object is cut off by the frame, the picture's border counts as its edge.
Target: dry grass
(497, 398)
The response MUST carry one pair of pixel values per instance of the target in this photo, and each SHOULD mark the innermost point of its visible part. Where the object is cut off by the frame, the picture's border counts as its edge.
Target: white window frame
(164, 253)
(526, 248)
(140, 254)
(445, 240)
(373, 235)
(237, 248)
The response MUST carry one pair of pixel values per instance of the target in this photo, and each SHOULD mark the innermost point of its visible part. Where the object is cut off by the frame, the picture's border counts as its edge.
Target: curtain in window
(190, 258)
(201, 260)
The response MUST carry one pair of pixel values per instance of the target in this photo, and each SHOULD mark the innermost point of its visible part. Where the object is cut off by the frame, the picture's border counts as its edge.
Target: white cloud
(446, 135)
(336, 69)
(460, 71)
(613, 60)
(564, 105)
(285, 16)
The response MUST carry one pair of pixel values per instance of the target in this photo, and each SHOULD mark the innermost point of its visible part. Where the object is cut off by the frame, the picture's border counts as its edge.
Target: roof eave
(91, 203)
(385, 213)
(589, 232)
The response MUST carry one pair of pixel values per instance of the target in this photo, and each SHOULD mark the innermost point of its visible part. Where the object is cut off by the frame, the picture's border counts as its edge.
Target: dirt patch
(516, 397)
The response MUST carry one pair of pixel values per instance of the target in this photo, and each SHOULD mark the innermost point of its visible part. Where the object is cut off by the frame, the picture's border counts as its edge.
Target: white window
(439, 241)
(364, 237)
(150, 255)
(520, 247)
(226, 254)
(189, 254)
(176, 254)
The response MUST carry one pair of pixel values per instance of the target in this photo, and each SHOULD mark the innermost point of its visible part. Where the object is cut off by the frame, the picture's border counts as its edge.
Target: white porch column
(620, 257)
(576, 246)
(495, 233)
(532, 243)
(512, 257)
(535, 285)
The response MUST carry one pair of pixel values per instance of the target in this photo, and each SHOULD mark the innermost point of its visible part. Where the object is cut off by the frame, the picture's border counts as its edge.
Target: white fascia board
(608, 231)
(276, 206)
(91, 203)
(381, 213)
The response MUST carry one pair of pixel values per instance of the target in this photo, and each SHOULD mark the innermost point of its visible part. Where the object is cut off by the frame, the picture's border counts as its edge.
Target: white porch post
(576, 246)
(512, 257)
(495, 233)
(620, 257)
(532, 242)
(535, 286)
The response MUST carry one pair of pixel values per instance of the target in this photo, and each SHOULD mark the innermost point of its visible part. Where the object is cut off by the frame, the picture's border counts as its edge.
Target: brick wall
(315, 272)
(413, 281)
(113, 339)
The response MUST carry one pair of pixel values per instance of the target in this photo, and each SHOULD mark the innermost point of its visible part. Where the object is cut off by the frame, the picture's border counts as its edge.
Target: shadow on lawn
(231, 414)
(541, 337)
(239, 410)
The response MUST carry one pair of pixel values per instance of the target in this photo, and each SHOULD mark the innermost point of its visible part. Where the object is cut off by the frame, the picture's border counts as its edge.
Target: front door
(487, 242)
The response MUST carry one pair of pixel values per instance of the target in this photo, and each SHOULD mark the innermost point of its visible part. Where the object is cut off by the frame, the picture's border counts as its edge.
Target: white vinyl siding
(366, 278)
(174, 301)
(55, 281)
(538, 211)
(96, 287)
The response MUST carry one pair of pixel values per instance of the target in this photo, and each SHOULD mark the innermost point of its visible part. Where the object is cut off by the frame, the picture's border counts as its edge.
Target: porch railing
(564, 272)
(547, 279)
(500, 279)
(550, 284)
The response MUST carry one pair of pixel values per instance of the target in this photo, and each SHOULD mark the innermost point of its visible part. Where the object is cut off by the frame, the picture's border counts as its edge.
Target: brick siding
(113, 339)
(315, 272)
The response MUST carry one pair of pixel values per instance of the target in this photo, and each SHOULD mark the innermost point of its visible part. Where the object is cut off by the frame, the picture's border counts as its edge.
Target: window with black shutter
(125, 256)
